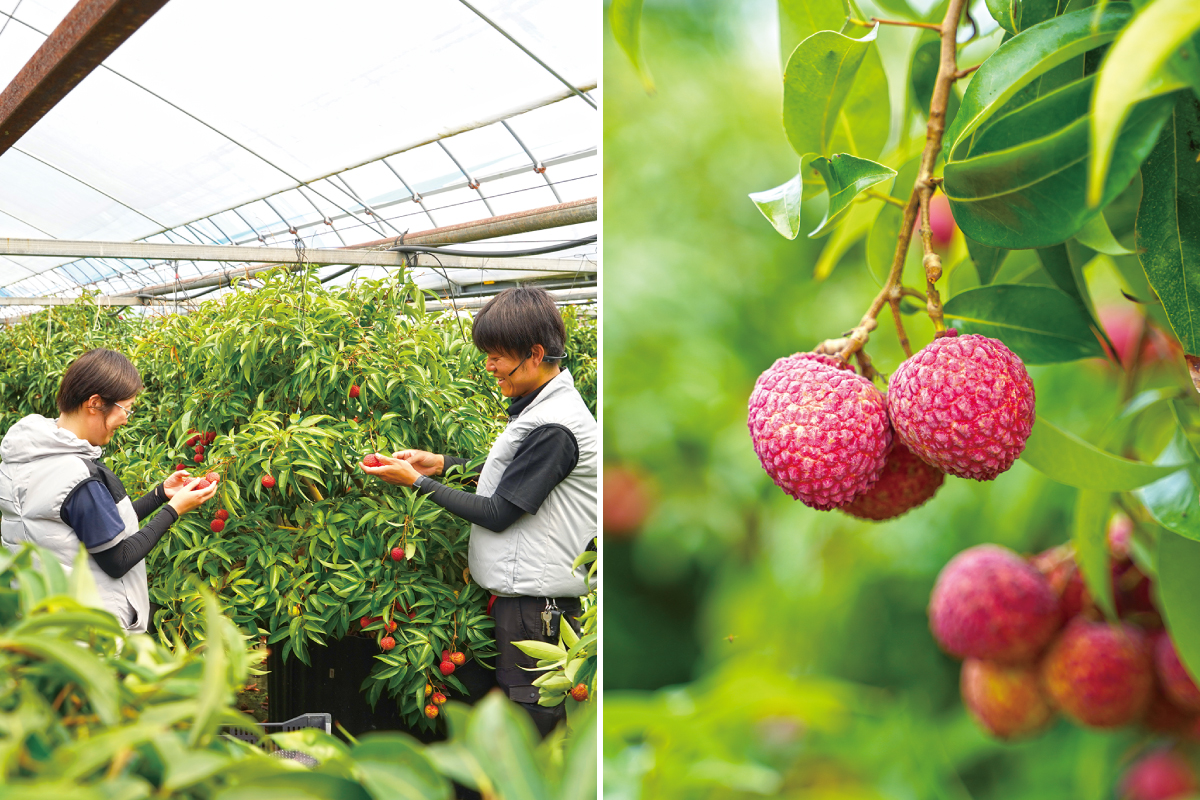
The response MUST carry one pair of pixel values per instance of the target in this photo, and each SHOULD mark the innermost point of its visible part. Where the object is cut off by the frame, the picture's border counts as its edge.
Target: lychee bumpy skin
(820, 430)
(905, 483)
(990, 603)
(1099, 674)
(964, 404)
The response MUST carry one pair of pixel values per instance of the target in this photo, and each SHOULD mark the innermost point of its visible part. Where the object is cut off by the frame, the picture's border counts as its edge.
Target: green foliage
(90, 713)
(269, 372)
(1040, 324)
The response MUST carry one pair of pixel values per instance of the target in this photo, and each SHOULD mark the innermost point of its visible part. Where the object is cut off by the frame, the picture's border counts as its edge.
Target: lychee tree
(1066, 150)
(279, 393)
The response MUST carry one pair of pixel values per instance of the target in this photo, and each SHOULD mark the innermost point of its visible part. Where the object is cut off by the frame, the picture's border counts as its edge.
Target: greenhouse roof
(257, 124)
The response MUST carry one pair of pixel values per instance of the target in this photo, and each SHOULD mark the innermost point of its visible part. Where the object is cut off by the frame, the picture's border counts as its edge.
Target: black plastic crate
(322, 721)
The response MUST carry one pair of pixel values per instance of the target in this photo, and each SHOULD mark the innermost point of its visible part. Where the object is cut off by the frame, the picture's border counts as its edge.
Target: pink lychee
(627, 501)
(1005, 699)
(990, 603)
(1099, 674)
(821, 432)
(1058, 565)
(1174, 678)
(905, 483)
(1160, 775)
(964, 404)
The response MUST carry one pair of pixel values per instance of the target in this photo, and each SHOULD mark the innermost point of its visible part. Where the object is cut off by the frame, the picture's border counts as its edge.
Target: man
(534, 510)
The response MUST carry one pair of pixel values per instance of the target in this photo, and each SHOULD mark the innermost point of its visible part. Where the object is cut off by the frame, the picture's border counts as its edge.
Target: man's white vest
(533, 556)
(42, 464)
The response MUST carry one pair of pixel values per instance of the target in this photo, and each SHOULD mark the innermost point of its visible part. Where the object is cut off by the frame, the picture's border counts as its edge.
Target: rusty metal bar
(89, 33)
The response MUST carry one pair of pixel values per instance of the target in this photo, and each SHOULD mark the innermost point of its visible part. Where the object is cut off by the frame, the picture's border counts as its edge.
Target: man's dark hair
(104, 372)
(516, 319)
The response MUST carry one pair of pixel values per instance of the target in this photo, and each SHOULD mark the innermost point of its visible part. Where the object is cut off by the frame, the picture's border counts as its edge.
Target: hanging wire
(300, 260)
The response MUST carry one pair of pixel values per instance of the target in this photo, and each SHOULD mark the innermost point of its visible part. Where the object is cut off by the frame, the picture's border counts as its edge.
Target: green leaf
(1174, 501)
(845, 177)
(926, 59)
(83, 667)
(865, 119)
(393, 765)
(987, 260)
(290, 785)
(781, 206)
(816, 82)
(502, 738)
(625, 18)
(1067, 274)
(1090, 537)
(1040, 324)
(1066, 458)
(1168, 222)
(579, 765)
(214, 687)
(799, 19)
(1027, 56)
(1097, 235)
(1000, 198)
(1135, 70)
(1017, 15)
(543, 651)
(1178, 561)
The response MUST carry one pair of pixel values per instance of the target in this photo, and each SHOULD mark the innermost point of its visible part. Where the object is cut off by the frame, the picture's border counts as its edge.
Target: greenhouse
(270, 230)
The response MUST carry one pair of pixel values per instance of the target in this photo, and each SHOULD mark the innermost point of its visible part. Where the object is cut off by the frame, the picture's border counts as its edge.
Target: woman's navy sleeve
(92, 514)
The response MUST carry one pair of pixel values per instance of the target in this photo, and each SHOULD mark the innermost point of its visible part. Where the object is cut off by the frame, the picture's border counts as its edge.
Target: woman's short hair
(516, 319)
(104, 372)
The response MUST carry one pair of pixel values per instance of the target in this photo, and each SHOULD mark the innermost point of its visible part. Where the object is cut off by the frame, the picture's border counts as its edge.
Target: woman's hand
(175, 482)
(188, 497)
(425, 463)
(396, 471)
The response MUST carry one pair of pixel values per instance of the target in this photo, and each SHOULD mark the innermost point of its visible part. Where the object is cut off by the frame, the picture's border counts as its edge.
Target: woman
(56, 493)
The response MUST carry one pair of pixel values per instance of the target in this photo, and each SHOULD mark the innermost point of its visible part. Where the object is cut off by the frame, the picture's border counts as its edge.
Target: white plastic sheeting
(261, 121)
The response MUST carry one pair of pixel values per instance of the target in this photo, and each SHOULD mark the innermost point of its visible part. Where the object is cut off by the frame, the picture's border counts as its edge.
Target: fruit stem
(923, 188)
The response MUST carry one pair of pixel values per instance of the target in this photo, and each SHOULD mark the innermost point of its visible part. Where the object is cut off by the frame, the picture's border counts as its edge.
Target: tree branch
(918, 202)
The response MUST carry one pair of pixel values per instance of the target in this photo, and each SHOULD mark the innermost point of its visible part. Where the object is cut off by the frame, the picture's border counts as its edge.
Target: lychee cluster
(198, 440)
(963, 405)
(1034, 645)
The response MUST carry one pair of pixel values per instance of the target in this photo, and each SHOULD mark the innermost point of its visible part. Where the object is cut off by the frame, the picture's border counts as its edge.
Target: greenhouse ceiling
(277, 123)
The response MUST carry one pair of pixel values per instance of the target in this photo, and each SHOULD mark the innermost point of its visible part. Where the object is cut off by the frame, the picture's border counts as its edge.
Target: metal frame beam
(89, 33)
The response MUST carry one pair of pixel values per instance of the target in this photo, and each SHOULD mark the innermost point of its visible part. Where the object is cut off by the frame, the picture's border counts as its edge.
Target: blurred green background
(752, 646)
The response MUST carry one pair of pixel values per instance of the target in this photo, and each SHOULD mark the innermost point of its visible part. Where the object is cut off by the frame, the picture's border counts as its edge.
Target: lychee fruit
(1163, 716)
(627, 501)
(990, 603)
(445, 655)
(1173, 676)
(372, 460)
(579, 692)
(428, 688)
(217, 525)
(198, 458)
(1124, 326)
(906, 482)
(354, 391)
(397, 554)
(1099, 674)
(1160, 775)
(431, 711)
(268, 482)
(391, 625)
(439, 698)
(457, 659)
(210, 437)
(446, 667)
(192, 441)
(821, 432)
(212, 477)
(202, 485)
(199, 450)
(1005, 699)
(180, 467)
(964, 404)
(387, 643)
(364, 622)
(222, 514)
(1058, 565)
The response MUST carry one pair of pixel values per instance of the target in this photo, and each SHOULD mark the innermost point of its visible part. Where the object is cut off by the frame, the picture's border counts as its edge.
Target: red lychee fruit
(180, 467)
(1005, 699)
(268, 482)
(1120, 536)
(439, 698)
(457, 659)
(217, 525)
(579, 692)
(222, 514)
(990, 603)
(387, 643)
(821, 432)
(1177, 684)
(397, 554)
(431, 711)
(212, 477)
(364, 622)
(446, 667)
(1165, 717)
(354, 391)
(1099, 674)
(1058, 565)
(192, 441)
(627, 501)
(202, 485)
(964, 404)
(199, 450)
(428, 688)
(210, 437)
(372, 460)
(906, 482)
(1124, 326)
(391, 625)
(1160, 775)
(198, 458)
